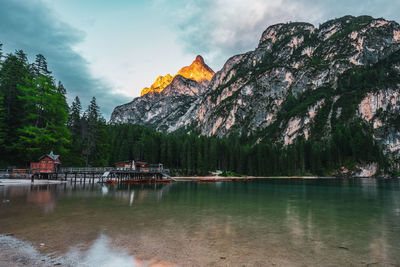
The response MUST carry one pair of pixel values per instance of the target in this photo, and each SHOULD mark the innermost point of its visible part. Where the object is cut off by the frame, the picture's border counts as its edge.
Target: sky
(113, 49)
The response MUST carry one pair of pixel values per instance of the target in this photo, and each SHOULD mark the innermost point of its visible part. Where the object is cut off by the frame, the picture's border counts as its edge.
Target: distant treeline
(35, 118)
(189, 154)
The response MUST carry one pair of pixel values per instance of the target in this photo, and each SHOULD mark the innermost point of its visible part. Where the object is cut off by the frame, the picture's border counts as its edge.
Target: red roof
(51, 156)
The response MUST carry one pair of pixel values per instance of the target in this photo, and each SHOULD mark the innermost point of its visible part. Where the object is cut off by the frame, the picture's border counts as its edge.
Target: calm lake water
(258, 223)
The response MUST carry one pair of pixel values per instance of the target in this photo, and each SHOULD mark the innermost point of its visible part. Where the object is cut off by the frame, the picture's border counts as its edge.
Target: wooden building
(127, 164)
(47, 164)
(139, 166)
(152, 168)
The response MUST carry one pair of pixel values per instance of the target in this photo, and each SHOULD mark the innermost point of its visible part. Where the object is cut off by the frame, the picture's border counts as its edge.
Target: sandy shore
(15, 252)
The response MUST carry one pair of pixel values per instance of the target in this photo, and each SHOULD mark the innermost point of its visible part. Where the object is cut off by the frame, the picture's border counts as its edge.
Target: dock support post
(75, 177)
(84, 178)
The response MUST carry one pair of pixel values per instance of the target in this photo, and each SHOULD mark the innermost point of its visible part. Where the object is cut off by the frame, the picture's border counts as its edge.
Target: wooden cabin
(127, 164)
(49, 163)
(152, 168)
(139, 166)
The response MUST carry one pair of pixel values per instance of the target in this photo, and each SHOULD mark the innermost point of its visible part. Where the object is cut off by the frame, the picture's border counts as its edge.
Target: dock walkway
(104, 174)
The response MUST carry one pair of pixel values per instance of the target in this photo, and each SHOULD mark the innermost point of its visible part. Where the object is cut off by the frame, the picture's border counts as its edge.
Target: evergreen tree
(74, 119)
(14, 72)
(94, 143)
(3, 124)
(75, 126)
(1, 52)
(44, 124)
(61, 89)
(40, 66)
(21, 56)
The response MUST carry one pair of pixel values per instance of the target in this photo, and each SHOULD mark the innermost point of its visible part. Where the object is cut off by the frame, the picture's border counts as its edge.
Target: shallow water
(259, 223)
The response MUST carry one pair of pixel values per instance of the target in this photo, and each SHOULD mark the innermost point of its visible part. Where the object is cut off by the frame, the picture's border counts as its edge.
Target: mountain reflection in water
(263, 222)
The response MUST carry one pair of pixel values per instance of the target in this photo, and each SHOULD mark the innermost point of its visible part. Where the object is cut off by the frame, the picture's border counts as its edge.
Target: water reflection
(132, 198)
(46, 196)
(46, 200)
(101, 253)
(284, 222)
(104, 190)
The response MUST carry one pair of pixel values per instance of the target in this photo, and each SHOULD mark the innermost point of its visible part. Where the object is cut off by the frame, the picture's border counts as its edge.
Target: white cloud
(220, 29)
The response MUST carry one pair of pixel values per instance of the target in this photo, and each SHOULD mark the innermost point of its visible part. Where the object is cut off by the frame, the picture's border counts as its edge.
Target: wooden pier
(106, 175)
(111, 174)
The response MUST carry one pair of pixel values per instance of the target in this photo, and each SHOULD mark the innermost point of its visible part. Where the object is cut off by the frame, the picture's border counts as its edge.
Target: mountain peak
(199, 59)
(159, 85)
(197, 71)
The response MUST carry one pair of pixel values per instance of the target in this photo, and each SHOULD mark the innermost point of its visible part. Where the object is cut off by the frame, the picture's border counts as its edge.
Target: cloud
(32, 27)
(219, 29)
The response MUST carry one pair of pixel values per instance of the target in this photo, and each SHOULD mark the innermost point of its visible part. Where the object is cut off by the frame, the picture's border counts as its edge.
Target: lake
(264, 222)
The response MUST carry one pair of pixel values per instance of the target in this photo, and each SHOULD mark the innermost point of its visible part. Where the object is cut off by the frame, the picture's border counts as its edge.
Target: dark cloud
(32, 27)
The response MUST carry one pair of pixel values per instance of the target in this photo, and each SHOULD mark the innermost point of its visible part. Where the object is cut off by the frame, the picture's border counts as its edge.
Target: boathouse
(49, 163)
(152, 168)
(139, 166)
(127, 164)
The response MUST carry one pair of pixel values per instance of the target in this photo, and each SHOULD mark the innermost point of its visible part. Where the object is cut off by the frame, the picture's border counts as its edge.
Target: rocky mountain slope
(163, 104)
(301, 81)
(197, 71)
(158, 86)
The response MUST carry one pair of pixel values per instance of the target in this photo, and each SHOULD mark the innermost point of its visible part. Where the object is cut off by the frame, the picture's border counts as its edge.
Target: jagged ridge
(298, 82)
(197, 71)
(164, 105)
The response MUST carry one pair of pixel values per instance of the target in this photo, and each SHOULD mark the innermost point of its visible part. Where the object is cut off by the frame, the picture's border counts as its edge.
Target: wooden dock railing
(87, 169)
(110, 169)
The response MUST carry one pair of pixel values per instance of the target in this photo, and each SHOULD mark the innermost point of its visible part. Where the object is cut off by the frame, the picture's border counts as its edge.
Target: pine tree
(40, 66)
(75, 126)
(61, 89)
(1, 53)
(44, 124)
(3, 124)
(95, 138)
(14, 71)
(74, 118)
(21, 56)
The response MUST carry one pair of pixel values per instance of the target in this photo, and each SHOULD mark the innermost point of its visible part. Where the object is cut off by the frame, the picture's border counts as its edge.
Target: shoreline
(222, 178)
(10, 181)
(18, 252)
(26, 181)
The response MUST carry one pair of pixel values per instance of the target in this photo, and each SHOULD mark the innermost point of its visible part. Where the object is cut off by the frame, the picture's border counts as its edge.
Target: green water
(259, 223)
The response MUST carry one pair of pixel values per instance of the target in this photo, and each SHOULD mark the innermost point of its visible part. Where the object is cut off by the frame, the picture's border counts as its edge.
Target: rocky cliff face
(197, 71)
(291, 58)
(164, 104)
(299, 81)
(158, 86)
(249, 96)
